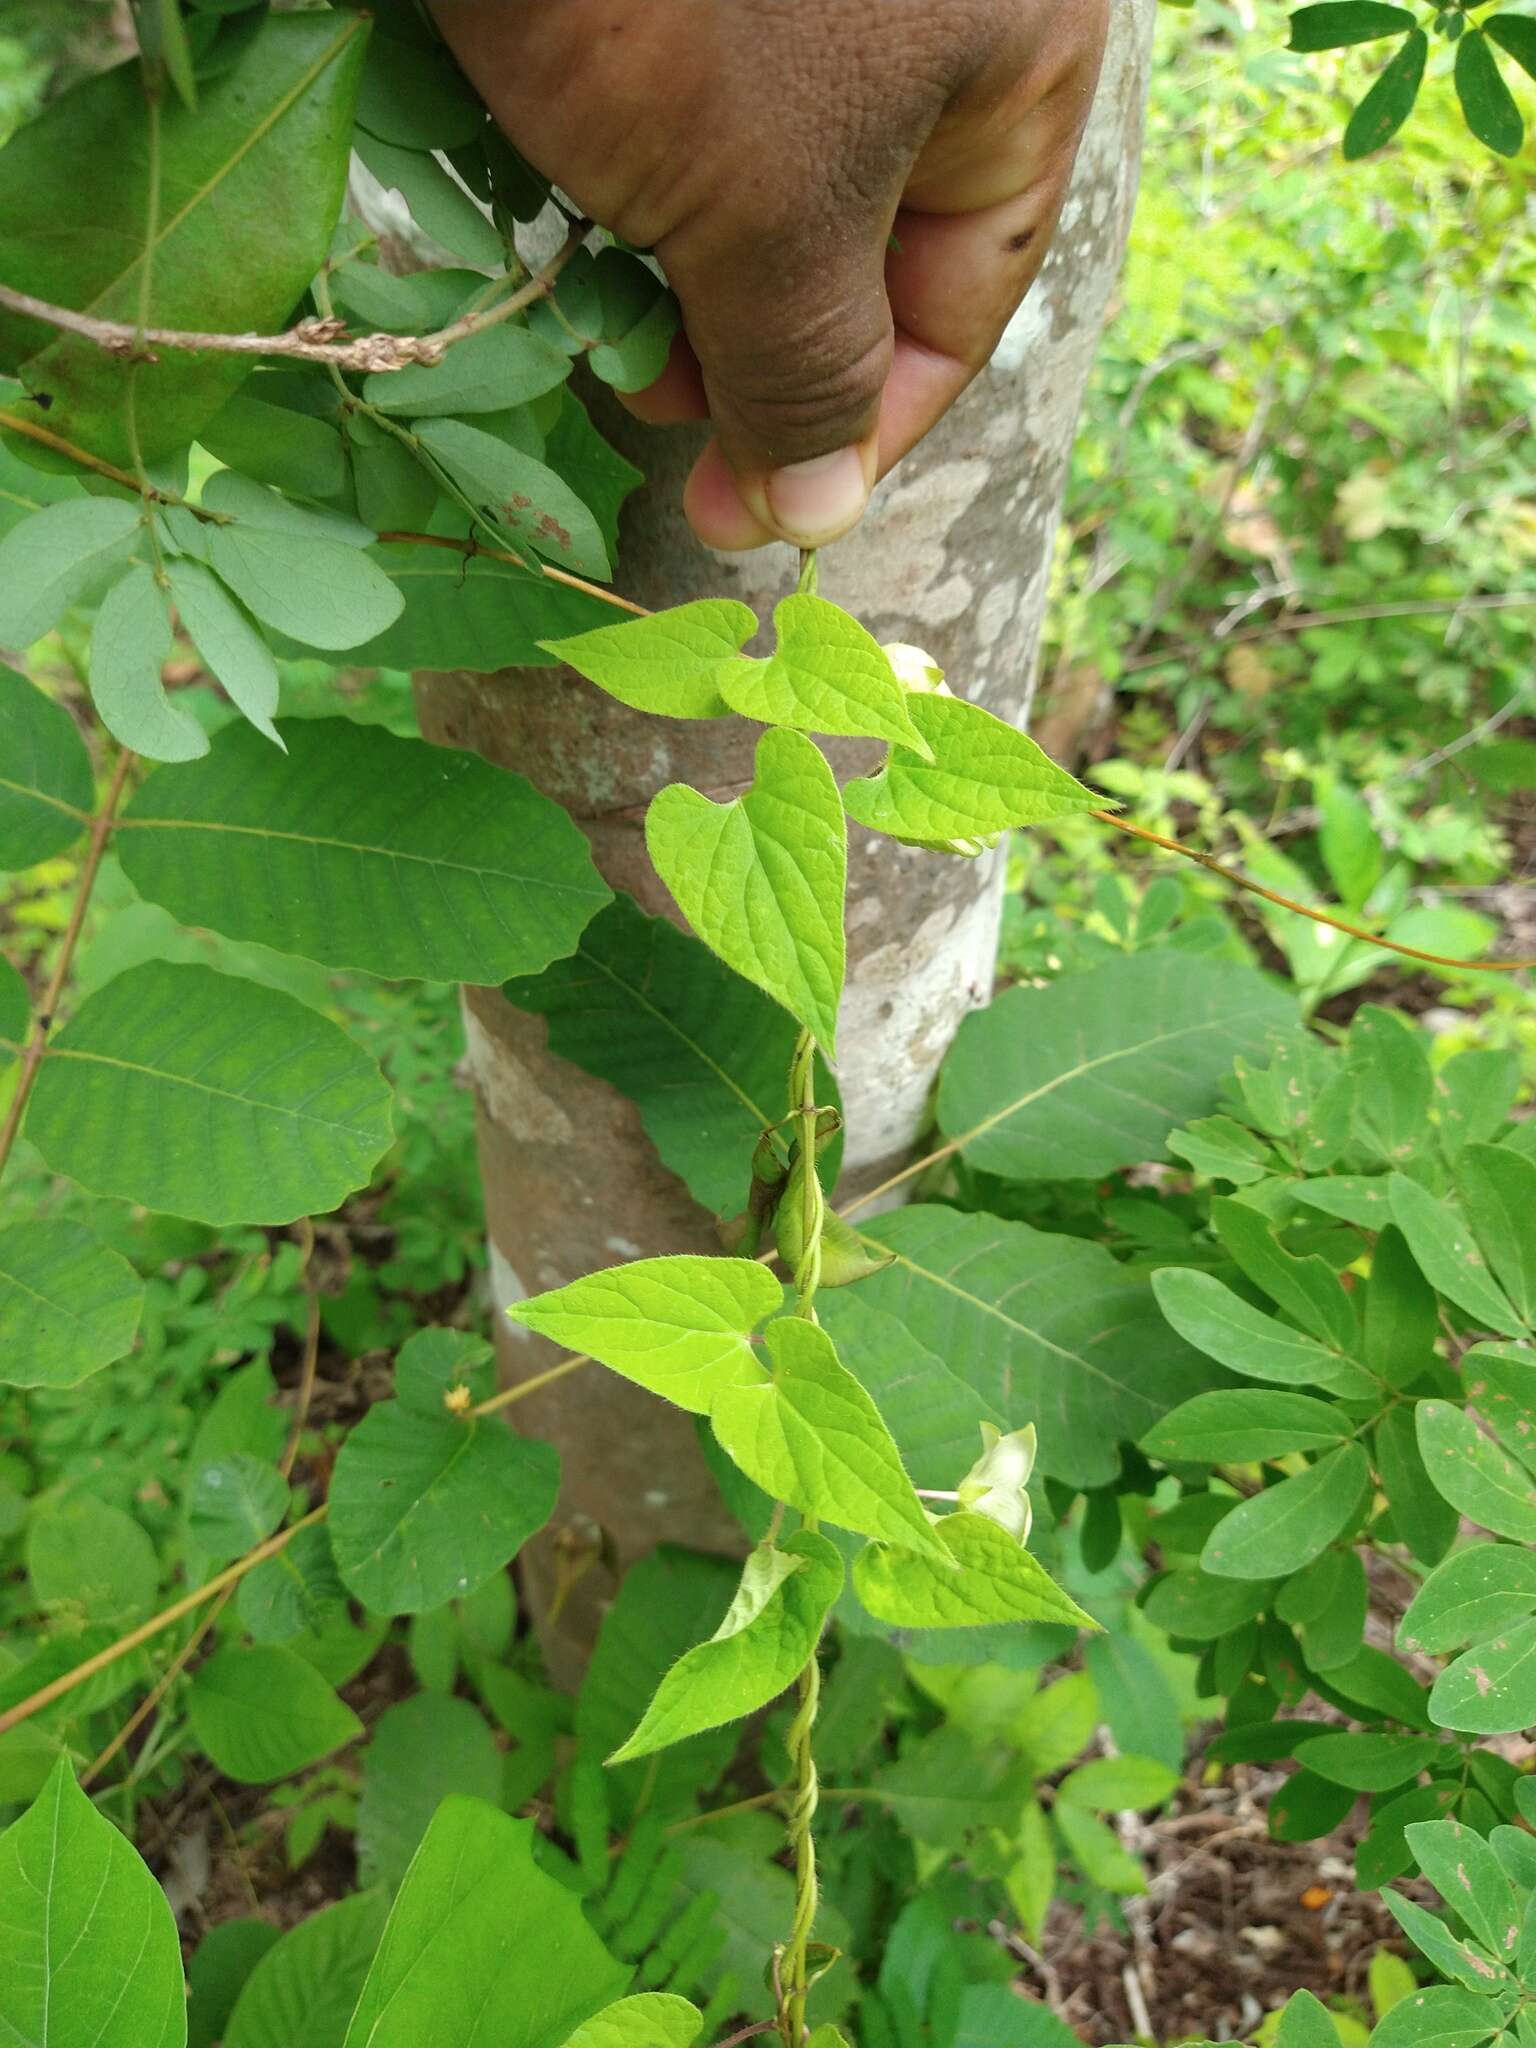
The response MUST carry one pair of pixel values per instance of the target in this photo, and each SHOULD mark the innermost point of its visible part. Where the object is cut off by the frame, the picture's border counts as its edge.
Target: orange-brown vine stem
(1338, 924)
(156, 1625)
(229, 1577)
(33, 430)
(37, 1040)
(470, 548)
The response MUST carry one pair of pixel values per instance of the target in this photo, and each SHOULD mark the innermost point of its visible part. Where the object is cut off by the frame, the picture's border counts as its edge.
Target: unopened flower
(997, 1484)
(916, 669)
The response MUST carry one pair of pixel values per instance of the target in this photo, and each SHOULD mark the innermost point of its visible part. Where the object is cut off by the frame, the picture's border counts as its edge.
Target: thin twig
(232, 1574)
(469, 548)
(311, 341)
(1352, 615)
(156, 1625)
(160, 1688)
(1338, 924)
(30, 430)
(37, 1042)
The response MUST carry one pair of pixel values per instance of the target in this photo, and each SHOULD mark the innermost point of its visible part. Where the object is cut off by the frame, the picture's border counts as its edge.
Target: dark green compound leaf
(1384, 1853)
(1464, 1962)
(517, 496)
(360, 849)
(1191, 1602)
(1369, 1763)
(1324, 1605)
(699, 1050)
(1422, 1518)
(1452, 1260)
(1242, 1425)
(423, 1511)
(1307, 1806)
(263, 1714)
(1491, 1688)
(69, 1305)
(304, 1989)
(1390, 100)
(1286, 1526)
(499, 367)
(260, 164)
(1474, 1474)
(1337, 23)
(463, 610)
(45, 776)
(1471, 1880)
(1486, 1588)
(204, 1096)
(1497, 1187)
(1486, 101)
(1094, 1071)
(1515, 33)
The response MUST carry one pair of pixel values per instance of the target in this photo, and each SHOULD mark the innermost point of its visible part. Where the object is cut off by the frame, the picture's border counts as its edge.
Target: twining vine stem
(805, 1797)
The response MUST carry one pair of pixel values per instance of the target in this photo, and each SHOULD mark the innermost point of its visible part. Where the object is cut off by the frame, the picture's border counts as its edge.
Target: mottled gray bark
(955, 555)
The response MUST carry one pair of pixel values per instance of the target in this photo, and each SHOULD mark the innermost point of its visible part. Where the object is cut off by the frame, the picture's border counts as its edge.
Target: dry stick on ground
(37, 1041)
(311, 341)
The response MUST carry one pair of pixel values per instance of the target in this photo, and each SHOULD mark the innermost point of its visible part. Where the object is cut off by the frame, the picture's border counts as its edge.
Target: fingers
(784, 301)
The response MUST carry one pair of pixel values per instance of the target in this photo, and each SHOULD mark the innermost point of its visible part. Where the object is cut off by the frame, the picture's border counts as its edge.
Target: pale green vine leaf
(92, 1955)
(827, 674)
(58, 557)
(650, 2019)
(130, 644)
(759, 1649)
(974, 775)
(679, 1326)
(670, 663)
(69, 1305)
(200, 1095)
(362, 849)
(761, 879)
(811, 1436)
(998, 1580)
(482, 1943)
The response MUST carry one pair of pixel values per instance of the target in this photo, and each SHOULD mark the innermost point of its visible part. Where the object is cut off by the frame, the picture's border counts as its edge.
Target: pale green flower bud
(997, 1484)
(916, 669)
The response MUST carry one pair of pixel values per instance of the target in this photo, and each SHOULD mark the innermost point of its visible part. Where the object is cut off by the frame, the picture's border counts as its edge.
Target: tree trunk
(955, 554)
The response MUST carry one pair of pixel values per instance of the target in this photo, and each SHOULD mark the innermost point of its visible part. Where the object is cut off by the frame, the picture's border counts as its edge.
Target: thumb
(793, 333)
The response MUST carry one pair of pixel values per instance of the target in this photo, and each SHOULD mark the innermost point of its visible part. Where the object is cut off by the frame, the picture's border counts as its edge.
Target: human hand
(850, 198)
